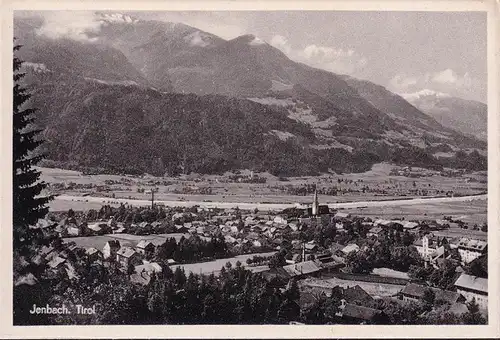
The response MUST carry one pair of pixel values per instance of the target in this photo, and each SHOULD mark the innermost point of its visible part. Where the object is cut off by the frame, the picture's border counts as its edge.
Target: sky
(404, 51)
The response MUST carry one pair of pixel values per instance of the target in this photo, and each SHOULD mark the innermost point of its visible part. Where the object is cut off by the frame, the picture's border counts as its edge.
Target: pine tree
(28, 205)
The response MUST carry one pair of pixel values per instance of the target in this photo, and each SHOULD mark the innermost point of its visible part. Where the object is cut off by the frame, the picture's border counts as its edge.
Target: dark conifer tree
(28, 205)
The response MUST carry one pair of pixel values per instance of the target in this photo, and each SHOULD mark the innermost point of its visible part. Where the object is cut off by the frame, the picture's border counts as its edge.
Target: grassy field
(471, 212)
(188, 187)
(215, 266)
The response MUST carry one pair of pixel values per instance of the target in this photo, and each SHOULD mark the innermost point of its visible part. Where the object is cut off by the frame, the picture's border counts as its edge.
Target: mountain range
(466, 116)
(152, 96)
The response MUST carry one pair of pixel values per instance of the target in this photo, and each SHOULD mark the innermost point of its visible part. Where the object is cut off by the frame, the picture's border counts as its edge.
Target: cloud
(402, 82)
(280, 42)
(76, 25)
(338, 60)
(449, 76)
(445, 81)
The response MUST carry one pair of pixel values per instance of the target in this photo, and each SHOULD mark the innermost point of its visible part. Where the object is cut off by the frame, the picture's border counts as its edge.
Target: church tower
(315, 205)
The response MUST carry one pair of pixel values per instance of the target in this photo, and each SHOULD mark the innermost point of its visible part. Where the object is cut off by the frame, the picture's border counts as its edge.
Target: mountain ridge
(318, 118)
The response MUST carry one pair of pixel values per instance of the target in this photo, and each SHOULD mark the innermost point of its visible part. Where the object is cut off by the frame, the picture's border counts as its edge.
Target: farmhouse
(127, 256)
(415, 292)
(354, 314)
(374, 231)
(473, 287)
(93, 254)
(145, 248)
(356, 294)
(350, 248)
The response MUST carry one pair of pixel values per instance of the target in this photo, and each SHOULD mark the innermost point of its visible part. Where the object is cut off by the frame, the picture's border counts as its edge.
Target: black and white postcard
(269, 167)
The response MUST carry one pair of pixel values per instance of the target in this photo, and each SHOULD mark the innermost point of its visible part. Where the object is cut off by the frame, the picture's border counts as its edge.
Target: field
(471, 212)
(226, 189)
(373, 288)
(215, 266)
(98, 242)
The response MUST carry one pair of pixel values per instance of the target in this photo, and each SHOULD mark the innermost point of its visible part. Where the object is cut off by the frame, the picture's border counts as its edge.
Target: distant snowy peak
(423, 93)
(117, 18)
(200, 39)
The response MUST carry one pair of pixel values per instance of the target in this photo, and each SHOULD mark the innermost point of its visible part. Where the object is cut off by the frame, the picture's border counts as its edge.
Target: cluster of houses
(356, 304)
(434, 249)
(266, 231)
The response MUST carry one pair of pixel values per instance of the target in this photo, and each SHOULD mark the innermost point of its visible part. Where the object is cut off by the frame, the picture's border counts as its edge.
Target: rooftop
(472, 282)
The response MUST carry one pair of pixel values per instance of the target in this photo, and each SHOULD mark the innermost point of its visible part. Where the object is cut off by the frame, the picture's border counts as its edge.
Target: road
(269, 206)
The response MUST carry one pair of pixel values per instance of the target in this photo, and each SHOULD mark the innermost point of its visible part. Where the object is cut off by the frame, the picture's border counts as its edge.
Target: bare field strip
(215, 266)
(268, 206)
(372, 288)
(98, 242)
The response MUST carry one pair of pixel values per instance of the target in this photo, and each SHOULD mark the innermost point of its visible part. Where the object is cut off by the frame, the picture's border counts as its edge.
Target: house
(56, 262)
(230, 239)
(119, 230)
(415, 292)
(279, 277)
(27, 279)
(309, 298)
(410, 225)
(73, 230)
(302, 269)
(93, 254)
(257, 244)
(381, 222)
(126, 256)
(179, 228)
(470, 249)
(310, 247)
(61, 230)
(110, 248)
(145, 248)
(354, 314)
(374, 231)
(473, 287)
(150, 267)
(350, 248)
(295, 258)
(342, 215)
(95, 228)
(280, 220)
(356, 294)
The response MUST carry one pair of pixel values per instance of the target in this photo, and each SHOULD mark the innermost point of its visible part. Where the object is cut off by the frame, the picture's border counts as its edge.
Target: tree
(429, 298)
(473, 316)
(28, 205)
(478, 267)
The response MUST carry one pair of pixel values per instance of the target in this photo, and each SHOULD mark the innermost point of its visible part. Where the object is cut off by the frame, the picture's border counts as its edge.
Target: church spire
(315, 205)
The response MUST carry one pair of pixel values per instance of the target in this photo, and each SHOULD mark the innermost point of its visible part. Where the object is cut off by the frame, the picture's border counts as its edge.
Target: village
(322, 249)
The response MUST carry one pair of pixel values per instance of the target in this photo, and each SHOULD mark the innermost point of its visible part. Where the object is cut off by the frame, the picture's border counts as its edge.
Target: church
(317, 210)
